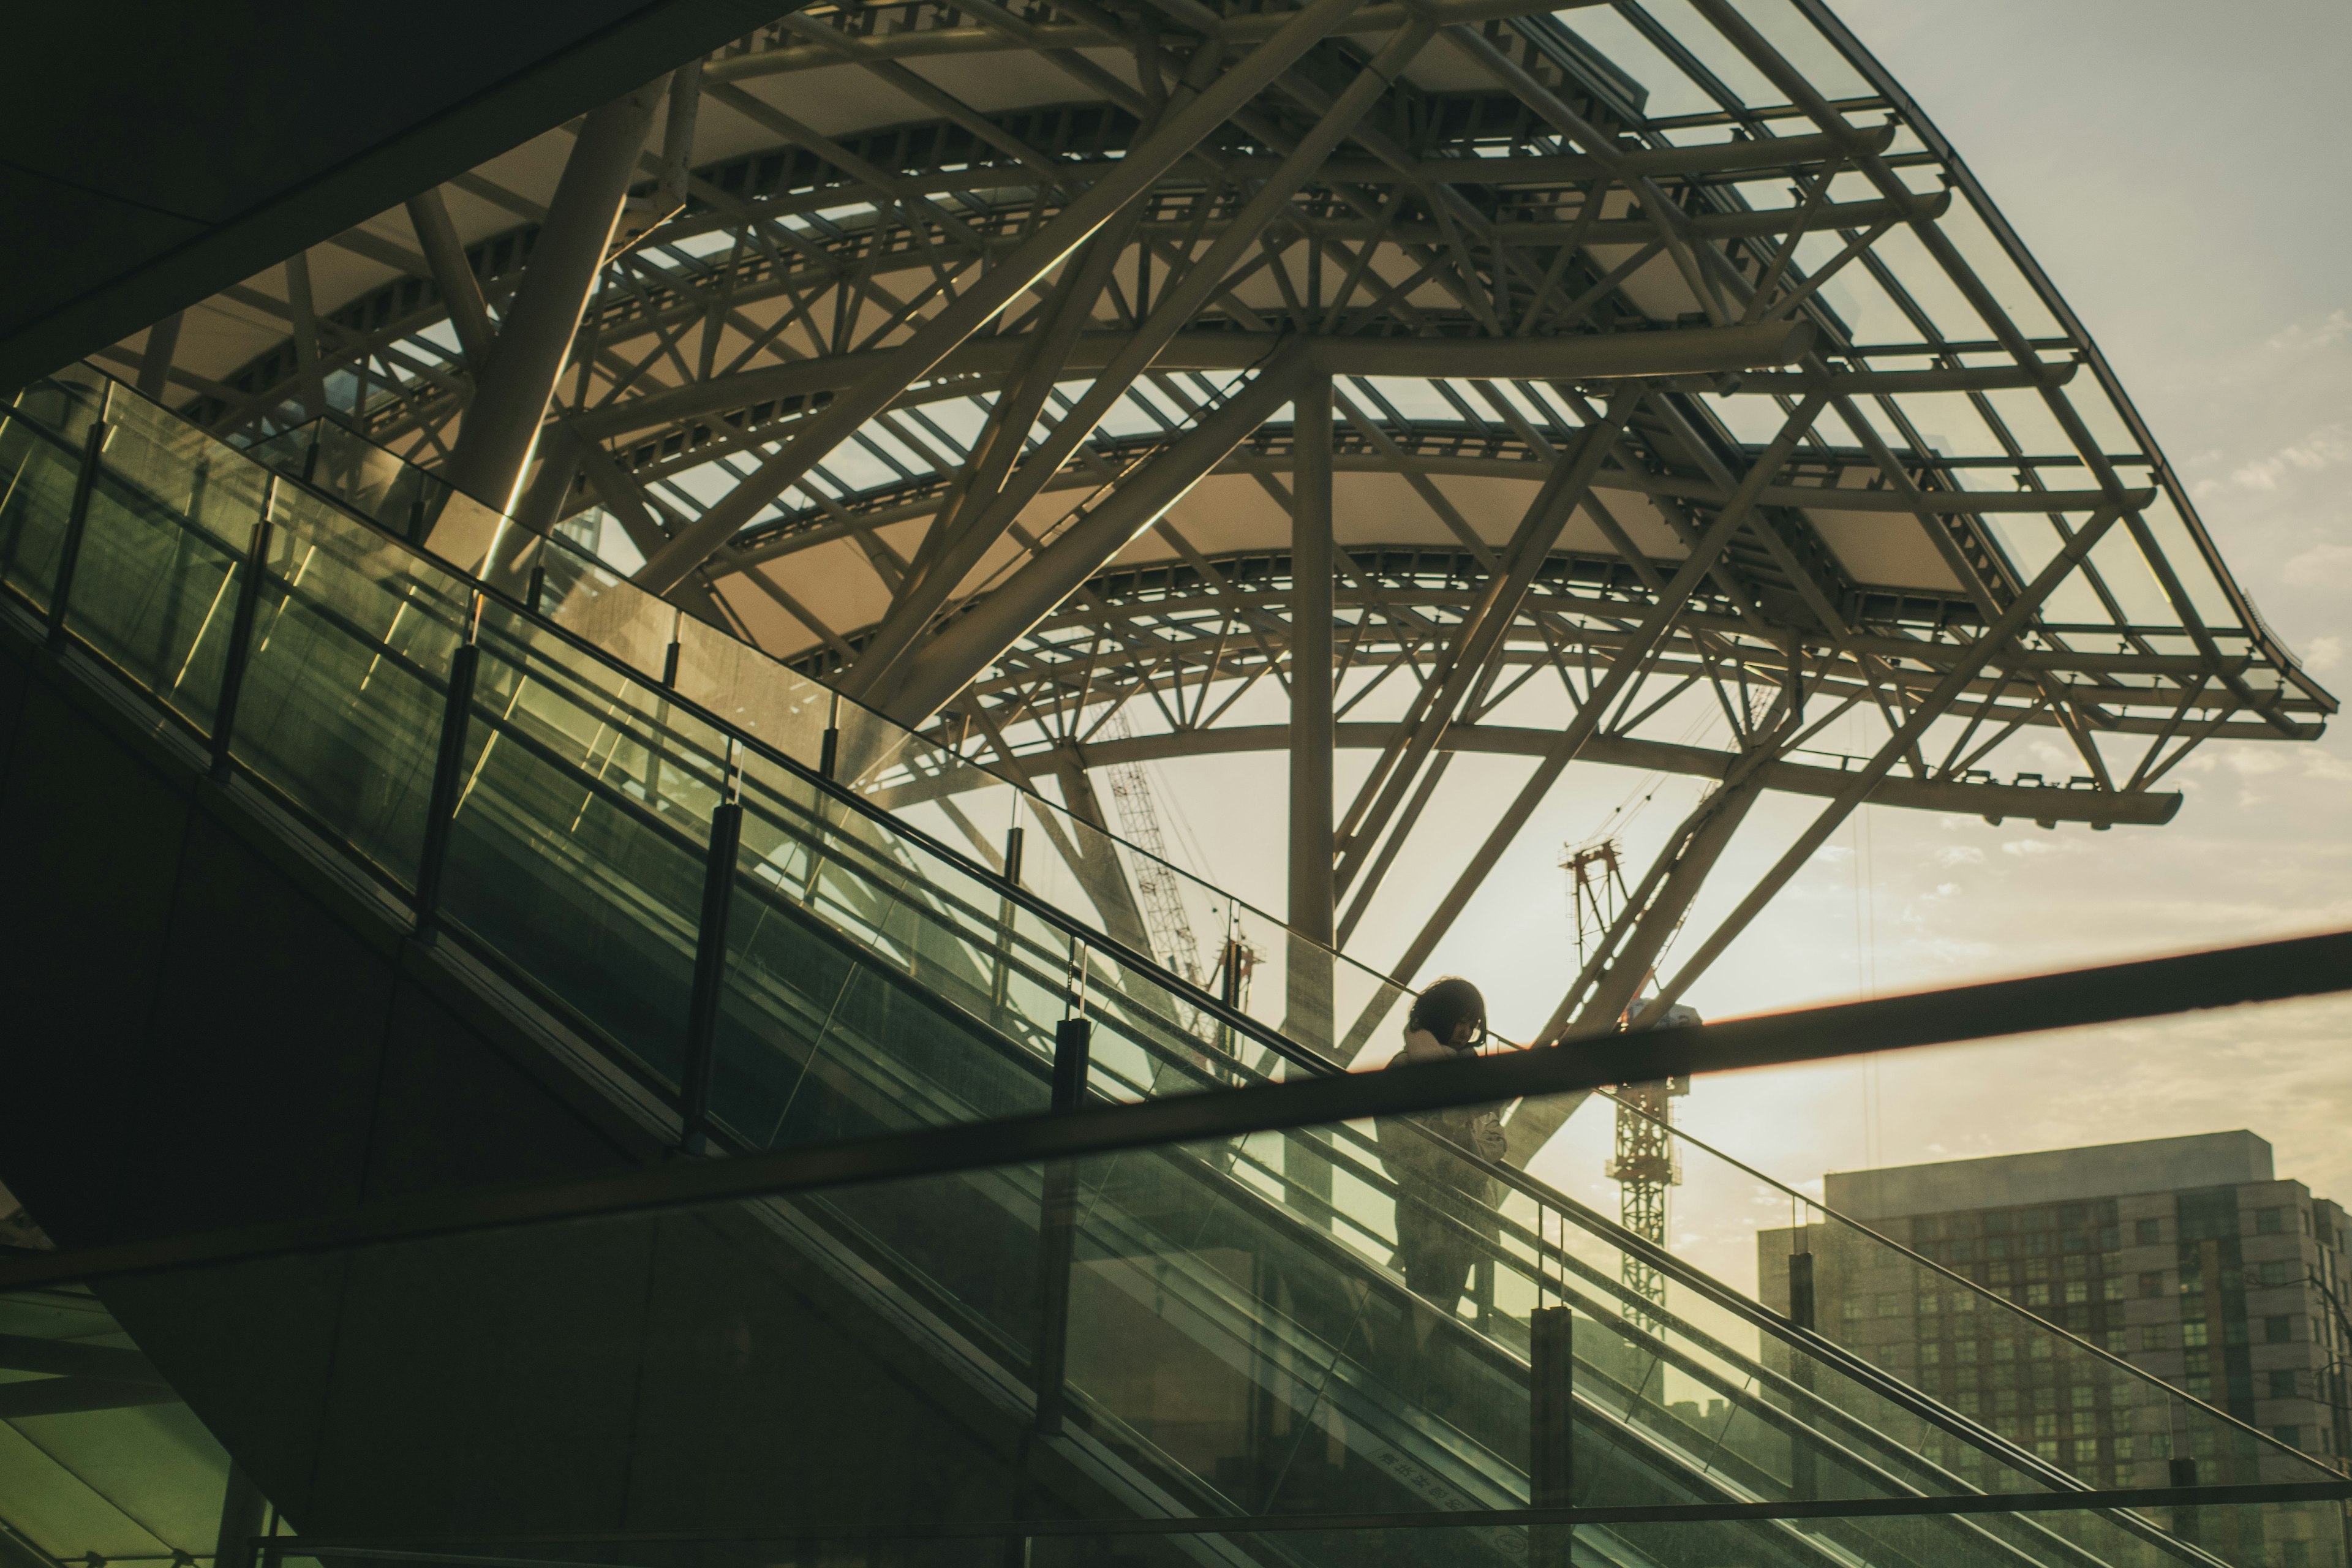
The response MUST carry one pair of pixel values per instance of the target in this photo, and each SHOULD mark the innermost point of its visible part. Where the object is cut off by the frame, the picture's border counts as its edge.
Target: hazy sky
(2180, 171)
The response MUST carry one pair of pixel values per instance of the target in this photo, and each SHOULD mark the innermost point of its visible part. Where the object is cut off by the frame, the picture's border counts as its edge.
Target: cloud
(2321, 566)
(2335, 328)
(2323, 654)
(2324, 449)
(2326, 765)
(1960, 855)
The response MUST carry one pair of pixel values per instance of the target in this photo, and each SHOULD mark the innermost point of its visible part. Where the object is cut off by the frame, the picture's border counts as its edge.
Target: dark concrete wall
(222, 139)
(206, 1028)
(203, 1035)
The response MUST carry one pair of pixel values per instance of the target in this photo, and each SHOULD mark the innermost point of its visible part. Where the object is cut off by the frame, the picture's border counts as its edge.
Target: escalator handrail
(1202, 1000)
(1862, 1373)
(1193, 995)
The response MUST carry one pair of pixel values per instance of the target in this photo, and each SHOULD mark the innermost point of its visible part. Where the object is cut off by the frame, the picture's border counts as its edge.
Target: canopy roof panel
(1674, 365)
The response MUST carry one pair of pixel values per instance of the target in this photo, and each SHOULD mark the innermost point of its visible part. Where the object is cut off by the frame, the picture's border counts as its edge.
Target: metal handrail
(1193, 995)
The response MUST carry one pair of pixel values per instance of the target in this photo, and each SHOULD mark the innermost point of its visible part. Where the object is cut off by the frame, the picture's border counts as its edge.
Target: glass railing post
(244, 1513)
(1058, 1218)
(1233, 970)
(78, 521)
(1551, 1423)
(1001, 974)
(711, 961)
(449, 761)
(1805, 1481)
(2182, 1472)
(240, 631)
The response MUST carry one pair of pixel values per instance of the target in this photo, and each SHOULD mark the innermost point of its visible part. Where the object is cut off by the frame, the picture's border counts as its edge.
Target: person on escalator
(1445, 1216)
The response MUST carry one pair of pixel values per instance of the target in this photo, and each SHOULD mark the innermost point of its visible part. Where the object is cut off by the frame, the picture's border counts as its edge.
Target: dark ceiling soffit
(569, 82)
(2260, 971)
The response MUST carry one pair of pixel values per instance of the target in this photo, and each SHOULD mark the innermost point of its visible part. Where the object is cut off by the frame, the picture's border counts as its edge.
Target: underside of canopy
(1093, 382)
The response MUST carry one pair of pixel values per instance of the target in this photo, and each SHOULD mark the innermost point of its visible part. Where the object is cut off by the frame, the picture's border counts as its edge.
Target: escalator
(1236, 1343)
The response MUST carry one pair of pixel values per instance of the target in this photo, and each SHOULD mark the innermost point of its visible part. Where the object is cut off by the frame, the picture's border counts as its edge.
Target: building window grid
(2076, 1433)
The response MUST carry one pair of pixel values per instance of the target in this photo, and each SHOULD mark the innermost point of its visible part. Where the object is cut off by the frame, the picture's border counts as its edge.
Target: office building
(2187, 1258)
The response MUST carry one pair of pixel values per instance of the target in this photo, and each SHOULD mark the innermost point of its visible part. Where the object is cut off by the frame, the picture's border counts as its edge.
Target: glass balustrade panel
(37, 475)
(1333, 1005)
(166, 540)
(340, 707)
(578, 843)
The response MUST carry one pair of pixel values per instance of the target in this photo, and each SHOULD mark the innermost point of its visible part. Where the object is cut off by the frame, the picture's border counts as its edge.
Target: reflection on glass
(1137, 897)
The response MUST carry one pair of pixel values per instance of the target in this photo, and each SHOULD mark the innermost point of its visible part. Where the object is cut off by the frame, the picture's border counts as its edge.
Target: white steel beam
(1314, 619)
(978, 638)
(510, 397)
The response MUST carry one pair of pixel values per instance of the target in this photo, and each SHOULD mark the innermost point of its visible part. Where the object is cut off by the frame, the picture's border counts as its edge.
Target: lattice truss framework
(1675, 367)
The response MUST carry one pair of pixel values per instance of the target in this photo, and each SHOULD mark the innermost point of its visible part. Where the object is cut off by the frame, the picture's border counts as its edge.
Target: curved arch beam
(2025, 802)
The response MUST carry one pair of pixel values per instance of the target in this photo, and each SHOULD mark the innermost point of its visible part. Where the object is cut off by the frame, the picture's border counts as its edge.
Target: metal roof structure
(1101, 381)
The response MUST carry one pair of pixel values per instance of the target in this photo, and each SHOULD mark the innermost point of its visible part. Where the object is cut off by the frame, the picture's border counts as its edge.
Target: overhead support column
(501, 424)
(1004, 281)
(677, 134)
(1650, 919)
(306, 333)
(995, 623)
(1313, 617)
(1097, 865)
(543, 503)
(155, 362)
(243, 1510)
(428, 215)
(1307, 969)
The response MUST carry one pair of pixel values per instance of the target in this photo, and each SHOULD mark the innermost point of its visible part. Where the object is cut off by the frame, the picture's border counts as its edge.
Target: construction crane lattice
(1157, 888)
(1644, 1163)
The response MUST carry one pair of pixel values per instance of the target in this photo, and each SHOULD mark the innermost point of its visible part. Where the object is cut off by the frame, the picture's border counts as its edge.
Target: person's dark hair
(1446, 1002)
